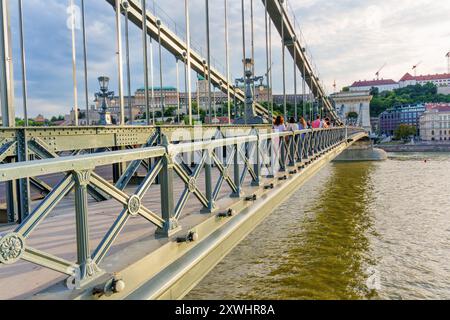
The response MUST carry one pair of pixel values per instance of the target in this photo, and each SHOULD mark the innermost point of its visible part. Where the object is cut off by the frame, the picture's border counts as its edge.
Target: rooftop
(440, 107)
(167, 88)
(373, 83)
(429, 77)
(405, 108)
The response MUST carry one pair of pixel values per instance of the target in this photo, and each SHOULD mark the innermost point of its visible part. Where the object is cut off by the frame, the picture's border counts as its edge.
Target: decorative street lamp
(104, 94)
(250, 116)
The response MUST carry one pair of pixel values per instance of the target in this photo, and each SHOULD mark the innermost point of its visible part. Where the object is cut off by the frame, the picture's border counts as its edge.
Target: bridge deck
(56, 235)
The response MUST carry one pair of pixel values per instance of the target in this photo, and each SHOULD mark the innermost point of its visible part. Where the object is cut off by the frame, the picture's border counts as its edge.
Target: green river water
(366, 230)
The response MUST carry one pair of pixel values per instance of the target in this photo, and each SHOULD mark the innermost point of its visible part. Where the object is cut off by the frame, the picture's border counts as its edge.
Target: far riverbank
(419, 147)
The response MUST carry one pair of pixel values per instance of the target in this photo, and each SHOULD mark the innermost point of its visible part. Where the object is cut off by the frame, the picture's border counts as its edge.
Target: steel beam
(286, 29)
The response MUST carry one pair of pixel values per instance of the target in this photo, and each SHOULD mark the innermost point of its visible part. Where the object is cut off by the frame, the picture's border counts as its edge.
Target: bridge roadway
(151, 266)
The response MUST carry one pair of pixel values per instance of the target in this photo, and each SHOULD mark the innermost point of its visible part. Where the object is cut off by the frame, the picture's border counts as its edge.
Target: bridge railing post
(236, 172)
(23, 184)
(208, 181)
(167, 203)
(271, 166)
(313, 143)
(282, 155)
(292, 150)
(257, 160)
(86, 267)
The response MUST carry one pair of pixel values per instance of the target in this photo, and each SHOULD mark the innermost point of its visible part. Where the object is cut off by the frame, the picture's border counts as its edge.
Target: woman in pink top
(316, 123)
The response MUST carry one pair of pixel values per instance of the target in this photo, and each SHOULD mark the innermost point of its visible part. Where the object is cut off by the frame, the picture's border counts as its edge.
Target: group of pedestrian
(300, 124)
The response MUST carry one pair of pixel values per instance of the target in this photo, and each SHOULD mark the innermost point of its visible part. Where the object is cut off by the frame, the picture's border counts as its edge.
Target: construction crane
(378, 72)
(415, 68)
(448, 57)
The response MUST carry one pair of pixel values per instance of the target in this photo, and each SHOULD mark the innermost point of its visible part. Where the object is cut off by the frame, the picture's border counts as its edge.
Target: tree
(374, 91)
(403, 96)
(168, 112)
(352, 115)
(404, 132)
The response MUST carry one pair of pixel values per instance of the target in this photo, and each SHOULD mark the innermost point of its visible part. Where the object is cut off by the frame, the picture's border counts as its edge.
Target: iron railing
(259, 155)
(25, 144)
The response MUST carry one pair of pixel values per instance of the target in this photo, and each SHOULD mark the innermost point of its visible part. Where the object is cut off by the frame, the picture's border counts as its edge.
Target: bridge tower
(358, 102)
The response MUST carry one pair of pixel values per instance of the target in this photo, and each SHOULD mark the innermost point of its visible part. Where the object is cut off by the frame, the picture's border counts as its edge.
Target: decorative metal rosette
(12, 247)
(134, 205)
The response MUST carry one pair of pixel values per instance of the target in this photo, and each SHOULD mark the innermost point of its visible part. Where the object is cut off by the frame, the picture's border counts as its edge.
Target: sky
(349, 41)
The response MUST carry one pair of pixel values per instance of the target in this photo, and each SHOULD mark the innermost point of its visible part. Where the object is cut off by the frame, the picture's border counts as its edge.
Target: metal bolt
(118, 286)
(270, 186)
(190, 237)
(227, 214)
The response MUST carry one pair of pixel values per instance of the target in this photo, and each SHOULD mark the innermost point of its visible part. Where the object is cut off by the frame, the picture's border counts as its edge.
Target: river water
(368, 230)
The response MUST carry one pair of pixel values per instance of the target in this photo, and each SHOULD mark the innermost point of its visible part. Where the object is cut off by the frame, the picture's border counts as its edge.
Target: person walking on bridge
(302, 125)
(317, 123)
(292, 126)
(279, 125)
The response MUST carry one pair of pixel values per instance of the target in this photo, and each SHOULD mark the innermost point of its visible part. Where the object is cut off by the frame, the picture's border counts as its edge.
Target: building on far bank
(357, 102)
(40, 119)
(439, 80)
(381, 85)
(444, 90)
(435, 122)
(392, 118)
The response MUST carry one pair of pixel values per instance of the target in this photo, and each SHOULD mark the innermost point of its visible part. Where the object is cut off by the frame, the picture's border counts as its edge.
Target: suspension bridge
(145, 212)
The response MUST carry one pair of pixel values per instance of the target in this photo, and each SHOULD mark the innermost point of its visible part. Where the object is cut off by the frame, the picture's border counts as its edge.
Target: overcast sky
(349, 39)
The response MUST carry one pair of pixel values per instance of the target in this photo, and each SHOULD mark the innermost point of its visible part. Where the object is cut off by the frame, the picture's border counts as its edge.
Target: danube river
(377, 230)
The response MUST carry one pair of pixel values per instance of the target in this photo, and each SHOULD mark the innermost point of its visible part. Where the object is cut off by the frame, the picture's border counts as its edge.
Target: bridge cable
(158, 22)
(313, 102)
(283, 62)
(271, 71)
(186, 94)
(74, 64)
(208, 57)
(267, 59)
(24, 68)
(214, 101)
(86, 89)
(188, 61)
(120, 60)
(145, 60)
(304, 90)
(227, 61)
(178, 90)
(152, 77)
(252, 47)
(127, 49)
(295, 79)
(243, 54)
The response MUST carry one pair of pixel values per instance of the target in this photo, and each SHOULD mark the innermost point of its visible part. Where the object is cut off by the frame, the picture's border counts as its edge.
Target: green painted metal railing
(235, 158)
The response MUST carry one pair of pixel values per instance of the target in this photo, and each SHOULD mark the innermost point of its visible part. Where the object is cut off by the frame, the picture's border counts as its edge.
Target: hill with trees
(409, 95)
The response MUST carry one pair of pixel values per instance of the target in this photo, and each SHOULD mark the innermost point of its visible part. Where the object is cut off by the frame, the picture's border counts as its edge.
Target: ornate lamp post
(104, 94)
(250, 116)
